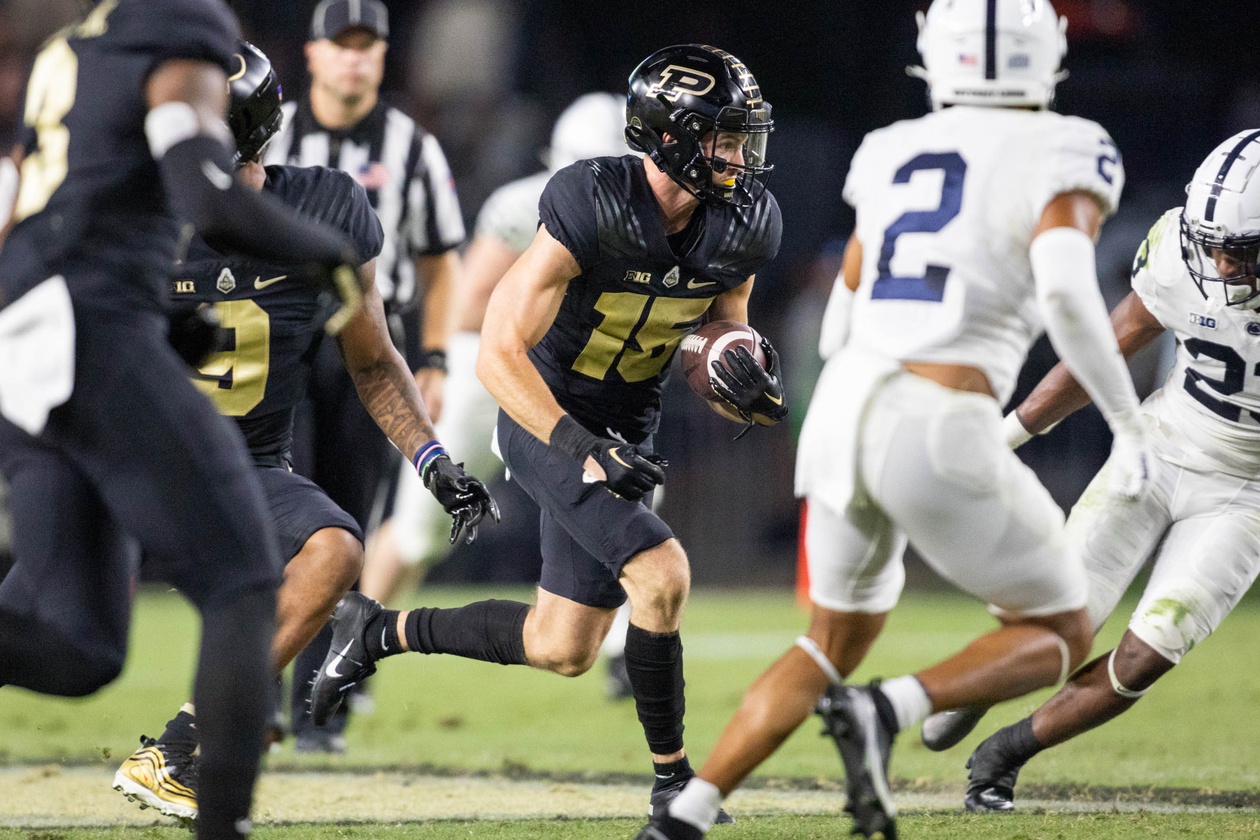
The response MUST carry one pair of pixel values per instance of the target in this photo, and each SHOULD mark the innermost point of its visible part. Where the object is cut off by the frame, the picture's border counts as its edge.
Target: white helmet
(991, 52)
(1220, 224)
(594, 125)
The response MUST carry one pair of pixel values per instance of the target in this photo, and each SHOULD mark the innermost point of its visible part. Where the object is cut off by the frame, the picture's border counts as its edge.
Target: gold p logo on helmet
(676, 80)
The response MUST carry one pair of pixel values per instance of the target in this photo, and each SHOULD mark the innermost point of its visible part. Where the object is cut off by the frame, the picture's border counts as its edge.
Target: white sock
(908, 700)
(697, 805)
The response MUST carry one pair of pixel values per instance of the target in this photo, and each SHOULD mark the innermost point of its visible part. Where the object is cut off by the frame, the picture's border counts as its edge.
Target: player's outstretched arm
(1059, 395)
(390, 394)
(521, 310)
(1062, 259)
(191, 142)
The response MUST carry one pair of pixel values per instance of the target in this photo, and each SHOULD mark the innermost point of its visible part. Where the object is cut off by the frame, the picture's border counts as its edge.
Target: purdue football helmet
(681, 98)
(1220, 224)
(254, 114)
(991, 52)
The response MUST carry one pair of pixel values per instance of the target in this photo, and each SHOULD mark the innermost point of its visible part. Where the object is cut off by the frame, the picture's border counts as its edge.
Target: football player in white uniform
(975, 225)
(1200, 525)
(415, 537)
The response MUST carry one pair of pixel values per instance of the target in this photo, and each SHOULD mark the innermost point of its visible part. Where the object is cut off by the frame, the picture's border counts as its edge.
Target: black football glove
(461, 495)
(339, 296)
(196, 334)
(755, 392)
(631, 474)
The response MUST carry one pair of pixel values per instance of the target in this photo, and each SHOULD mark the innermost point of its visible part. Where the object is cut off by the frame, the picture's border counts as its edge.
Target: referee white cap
(332, 17)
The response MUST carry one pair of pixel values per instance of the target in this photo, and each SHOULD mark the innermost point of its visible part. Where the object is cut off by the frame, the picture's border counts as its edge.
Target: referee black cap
(332, 17)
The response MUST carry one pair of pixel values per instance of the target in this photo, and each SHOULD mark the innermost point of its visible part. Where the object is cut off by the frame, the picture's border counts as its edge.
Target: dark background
(1169, 80)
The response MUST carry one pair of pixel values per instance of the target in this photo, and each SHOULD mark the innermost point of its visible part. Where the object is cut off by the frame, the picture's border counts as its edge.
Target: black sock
(232, 691)
(181, 731)
(654, 663)
(381, 645)
(1017, 742)
(491, 631)
(669, 772)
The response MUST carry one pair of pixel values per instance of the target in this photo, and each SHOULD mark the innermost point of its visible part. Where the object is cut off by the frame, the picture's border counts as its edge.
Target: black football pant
(138, 460)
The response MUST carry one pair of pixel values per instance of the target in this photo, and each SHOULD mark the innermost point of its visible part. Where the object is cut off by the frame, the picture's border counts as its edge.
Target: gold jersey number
(236, 380)
(654, 337)
(50, 96)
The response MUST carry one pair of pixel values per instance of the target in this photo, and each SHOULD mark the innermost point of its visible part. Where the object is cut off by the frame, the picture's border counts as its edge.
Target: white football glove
(1129, 466)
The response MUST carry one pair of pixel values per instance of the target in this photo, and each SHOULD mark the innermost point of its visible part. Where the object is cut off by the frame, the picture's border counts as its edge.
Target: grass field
(452, 740)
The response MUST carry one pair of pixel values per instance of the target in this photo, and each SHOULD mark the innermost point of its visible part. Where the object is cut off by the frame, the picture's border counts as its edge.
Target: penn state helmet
(680, 98)
(1220, 223)
(593, 125)
(991, 52)
(254, 114)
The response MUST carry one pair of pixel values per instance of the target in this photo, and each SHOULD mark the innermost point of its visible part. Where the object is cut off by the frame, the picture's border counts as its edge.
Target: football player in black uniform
(631, 254)
(259, 378)
(106, 443)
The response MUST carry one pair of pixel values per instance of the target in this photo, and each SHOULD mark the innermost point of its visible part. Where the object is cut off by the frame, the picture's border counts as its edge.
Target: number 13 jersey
(946, 209)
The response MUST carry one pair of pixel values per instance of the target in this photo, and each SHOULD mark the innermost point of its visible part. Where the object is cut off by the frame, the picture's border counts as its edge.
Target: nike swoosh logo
(692, 284)
(331, 670)
(618, 459)
(216, 176)
(384, 646)
(775, 400)
(260, 283)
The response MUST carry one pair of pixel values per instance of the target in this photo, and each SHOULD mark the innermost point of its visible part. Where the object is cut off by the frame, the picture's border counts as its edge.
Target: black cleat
(852, 719)
(990, 780)
(658, 804)
(668, 828)
(945, 729)
(348, 661)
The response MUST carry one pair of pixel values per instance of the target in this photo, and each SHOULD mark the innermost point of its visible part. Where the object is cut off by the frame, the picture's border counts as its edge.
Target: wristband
(433, 360)
(569, 437)
(424, 458)
(1014, 432)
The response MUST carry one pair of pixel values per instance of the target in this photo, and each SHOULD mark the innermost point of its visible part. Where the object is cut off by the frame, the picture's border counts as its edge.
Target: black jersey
(272, 318)
(91, 193)
(607, 353)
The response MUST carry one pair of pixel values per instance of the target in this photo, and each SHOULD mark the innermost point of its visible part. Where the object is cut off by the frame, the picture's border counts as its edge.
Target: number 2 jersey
(1210, 401)
(91, 194)
(270, 313)
(946, 209)
(606, 355)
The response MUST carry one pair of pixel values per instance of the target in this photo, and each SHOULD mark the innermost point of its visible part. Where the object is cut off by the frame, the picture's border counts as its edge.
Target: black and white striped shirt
(406, 177)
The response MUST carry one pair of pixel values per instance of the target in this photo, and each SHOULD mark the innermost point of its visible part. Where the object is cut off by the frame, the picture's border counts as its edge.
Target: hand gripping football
(707, 345)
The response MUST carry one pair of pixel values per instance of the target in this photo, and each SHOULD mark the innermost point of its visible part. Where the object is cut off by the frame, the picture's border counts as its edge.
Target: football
(708, 344)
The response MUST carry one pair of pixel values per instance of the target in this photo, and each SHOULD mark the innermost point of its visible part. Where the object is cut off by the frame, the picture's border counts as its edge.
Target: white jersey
(946, 209)
(510, 214)
(1210, 401)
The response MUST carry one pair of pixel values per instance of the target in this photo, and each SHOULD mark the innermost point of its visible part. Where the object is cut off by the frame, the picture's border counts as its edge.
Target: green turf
(925, 827)
(1196, 729)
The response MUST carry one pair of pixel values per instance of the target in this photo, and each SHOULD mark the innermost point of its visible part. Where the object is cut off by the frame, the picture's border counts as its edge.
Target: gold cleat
(161, 776)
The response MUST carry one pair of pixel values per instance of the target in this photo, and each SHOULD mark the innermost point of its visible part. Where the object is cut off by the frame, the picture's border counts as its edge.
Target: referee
(342, 123)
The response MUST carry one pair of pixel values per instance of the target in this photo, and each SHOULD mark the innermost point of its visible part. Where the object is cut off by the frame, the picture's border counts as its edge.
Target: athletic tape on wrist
(1127, 693)
(811, 647)
(424, 458)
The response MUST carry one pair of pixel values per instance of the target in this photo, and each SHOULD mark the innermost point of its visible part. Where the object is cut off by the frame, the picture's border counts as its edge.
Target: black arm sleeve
(231, 217)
